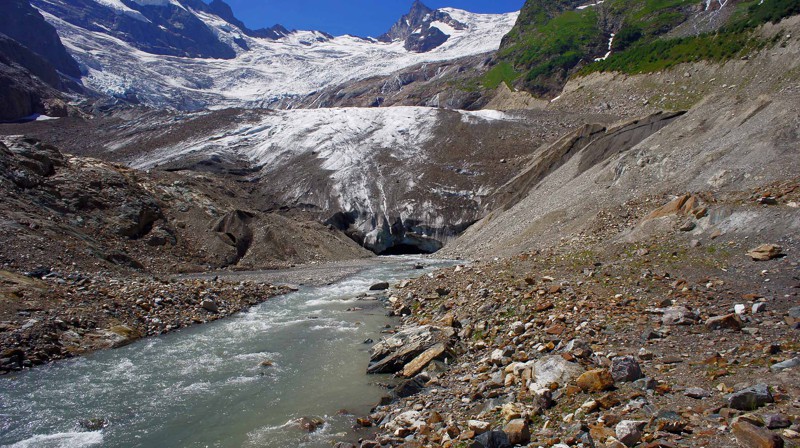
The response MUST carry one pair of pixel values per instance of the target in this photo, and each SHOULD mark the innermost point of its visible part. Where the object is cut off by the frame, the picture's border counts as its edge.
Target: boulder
(788, 364)
(726, 322)
(380, 286)
(209, 305)
(310, 424)
(478, 426)
(491, 439)
(93, 424)
(749, 435)
(518, 432)
(419, 363)
(765, 252)
(392, 354)
(407, 388)
(751, 398)
(629, 432)
(625, 369)
(678, 315)
(121, 335)
(553, 369)
(697, 393)
(777, 421)
(596, 380)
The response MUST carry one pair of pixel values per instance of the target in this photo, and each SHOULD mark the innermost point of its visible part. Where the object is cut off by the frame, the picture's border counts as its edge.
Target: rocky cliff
(34, 65)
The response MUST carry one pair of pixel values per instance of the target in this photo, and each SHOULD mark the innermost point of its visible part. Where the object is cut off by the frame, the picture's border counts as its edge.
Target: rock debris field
(664, 342)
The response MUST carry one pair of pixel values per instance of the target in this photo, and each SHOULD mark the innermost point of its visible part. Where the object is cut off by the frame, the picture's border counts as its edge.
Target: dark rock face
(398, 237)
(751, 398)
(275, 32)
(24, 24)
(416, 30)
(34, 65)
(491, 439)
(160, 29)
(426, 40)
(234, 230)
(24, 83)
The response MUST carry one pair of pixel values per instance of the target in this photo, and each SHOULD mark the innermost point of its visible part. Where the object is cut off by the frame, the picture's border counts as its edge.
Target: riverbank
(55, 316)
(311, 274)
(664, 342)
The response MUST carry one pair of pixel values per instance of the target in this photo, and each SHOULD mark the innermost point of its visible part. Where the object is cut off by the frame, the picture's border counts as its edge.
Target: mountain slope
(157, 27)
(423, 29)
(739, 134)
(34, 66)
(128, 55)
(554, 41)
(68, 212)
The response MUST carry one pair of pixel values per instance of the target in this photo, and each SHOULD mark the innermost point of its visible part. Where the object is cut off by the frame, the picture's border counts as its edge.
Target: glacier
(265, 72)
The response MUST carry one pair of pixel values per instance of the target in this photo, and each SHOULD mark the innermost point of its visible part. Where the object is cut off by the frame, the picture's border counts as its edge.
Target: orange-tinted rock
(596, 380)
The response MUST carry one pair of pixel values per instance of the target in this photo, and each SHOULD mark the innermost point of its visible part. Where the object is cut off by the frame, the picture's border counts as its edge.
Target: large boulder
(625, 369)
(553, 369)
(750, 398)
(392, 354)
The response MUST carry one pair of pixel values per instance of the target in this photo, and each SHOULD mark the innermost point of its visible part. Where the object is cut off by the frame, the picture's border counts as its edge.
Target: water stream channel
(204, 386)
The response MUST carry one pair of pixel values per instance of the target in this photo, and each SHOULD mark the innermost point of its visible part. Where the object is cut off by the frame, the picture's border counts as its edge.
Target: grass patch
(501, 73)
(640, 54)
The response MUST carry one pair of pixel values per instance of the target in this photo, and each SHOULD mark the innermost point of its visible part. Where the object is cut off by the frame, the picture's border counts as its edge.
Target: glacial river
(205, 386)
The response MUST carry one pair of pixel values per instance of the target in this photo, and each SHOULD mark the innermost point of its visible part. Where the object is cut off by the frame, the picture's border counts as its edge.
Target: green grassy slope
(553, 40)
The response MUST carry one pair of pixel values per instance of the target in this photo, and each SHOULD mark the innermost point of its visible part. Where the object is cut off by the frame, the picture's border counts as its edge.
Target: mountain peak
(418, 6)
(418, 29)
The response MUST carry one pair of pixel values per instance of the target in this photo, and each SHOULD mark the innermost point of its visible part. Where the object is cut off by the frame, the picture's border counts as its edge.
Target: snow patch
(608, 53)
(122, 8)
(485, 114)
(443, 27)
(582, 7)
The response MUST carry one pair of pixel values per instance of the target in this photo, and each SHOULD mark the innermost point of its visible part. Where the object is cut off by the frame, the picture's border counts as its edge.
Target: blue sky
(358, 17)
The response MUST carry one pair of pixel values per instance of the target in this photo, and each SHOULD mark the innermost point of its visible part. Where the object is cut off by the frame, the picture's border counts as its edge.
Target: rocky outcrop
(418, 31)
(34, 66)
(23, 89)
(86, 214)
(25, 25)
(234, 230)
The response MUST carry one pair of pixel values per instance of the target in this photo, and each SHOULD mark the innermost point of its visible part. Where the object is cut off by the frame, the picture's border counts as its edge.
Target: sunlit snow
(296, 65)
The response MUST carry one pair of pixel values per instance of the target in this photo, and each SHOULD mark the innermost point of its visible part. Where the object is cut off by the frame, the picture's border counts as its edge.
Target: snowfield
(268, 72)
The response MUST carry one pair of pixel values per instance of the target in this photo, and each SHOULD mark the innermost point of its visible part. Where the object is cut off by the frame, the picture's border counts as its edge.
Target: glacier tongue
(393, 175)
(264, 71)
